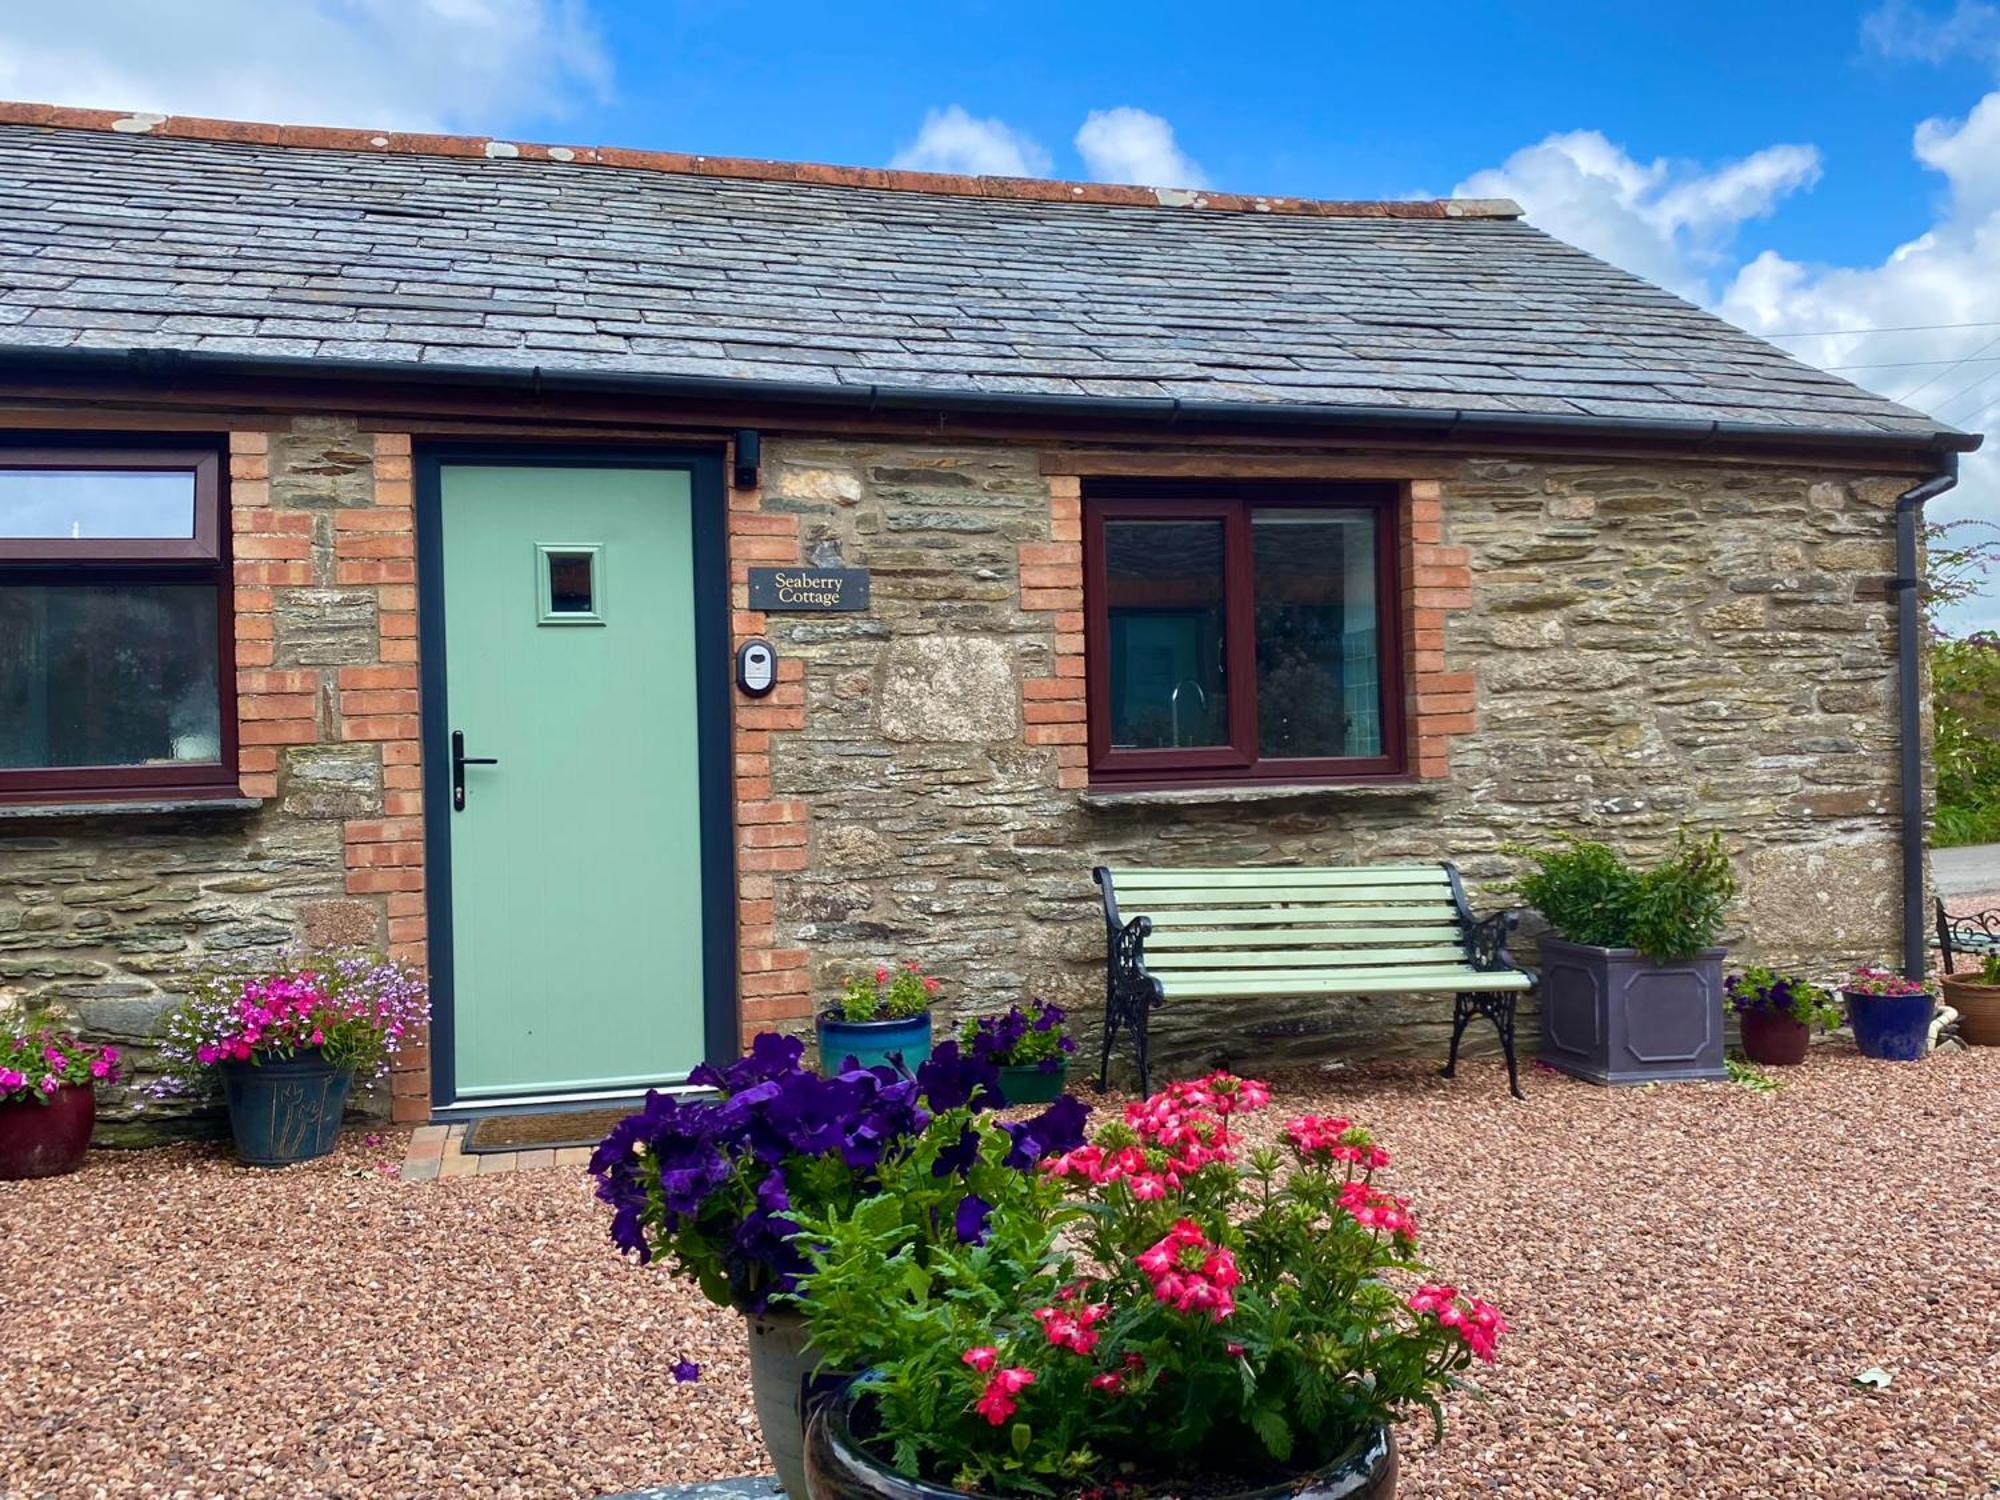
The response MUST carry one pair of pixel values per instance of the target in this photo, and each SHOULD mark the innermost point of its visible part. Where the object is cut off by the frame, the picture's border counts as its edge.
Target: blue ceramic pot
(285, 1109)
(1894, 1028)
(903, 1043)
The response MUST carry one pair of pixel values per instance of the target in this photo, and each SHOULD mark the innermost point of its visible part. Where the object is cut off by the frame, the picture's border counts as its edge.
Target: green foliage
(1762, 988)
(888, 994)
(1965, 692)
(1591, 894)
(1746, 1073)
(1189, 1305)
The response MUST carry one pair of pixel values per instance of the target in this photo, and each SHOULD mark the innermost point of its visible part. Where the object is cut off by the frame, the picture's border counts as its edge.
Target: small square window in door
(569, 583)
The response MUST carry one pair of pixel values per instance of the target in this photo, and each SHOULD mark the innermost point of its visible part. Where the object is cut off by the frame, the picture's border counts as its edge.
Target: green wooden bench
(1253, 933)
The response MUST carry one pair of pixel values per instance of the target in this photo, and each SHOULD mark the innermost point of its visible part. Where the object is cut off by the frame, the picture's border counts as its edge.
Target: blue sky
(1798, 165)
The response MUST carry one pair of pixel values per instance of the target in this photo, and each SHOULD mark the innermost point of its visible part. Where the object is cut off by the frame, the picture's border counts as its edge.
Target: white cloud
(1900, 30)
(1670, 222)
(1130, 145)
(951, 140)
(393, 64)
(1676, 225)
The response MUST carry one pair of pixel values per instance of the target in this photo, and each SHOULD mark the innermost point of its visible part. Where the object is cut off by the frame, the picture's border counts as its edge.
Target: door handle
(459, 761)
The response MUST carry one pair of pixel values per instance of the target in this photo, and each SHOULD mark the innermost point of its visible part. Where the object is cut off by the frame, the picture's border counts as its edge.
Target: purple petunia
(1057, 1129)
(686, 1372)
(969, 1222)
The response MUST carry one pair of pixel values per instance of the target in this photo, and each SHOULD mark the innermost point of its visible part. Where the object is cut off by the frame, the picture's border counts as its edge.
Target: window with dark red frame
(1242, 632)
(116, 648)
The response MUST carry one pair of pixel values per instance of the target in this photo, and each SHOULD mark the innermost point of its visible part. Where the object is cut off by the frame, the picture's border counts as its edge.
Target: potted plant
(1631, 980)
(1891, 1015)
(1976, 998)
(1777, 1013)
(883, 1018)
(721, 1187)
(48, 1101)
(282, 1046)
(1188, 1316)
(1030, 1046)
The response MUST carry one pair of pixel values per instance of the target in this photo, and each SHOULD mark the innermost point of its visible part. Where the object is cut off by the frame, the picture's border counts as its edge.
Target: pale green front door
(575, 861)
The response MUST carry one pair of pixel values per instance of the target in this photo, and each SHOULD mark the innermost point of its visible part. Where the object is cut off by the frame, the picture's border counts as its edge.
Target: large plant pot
(1613, 1015)
(779, 1370)
(285, 1109)
(1891, 1028)
(904, 1043)
(46, 1138)
(1774, 1041)
(1027, 1083)
(1978, 1007)
(839, 1468)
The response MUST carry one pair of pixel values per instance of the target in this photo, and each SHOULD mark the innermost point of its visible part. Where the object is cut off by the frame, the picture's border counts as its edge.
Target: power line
(1827, 333)
(1964, 390)
(1912, 364)
(1991, 343)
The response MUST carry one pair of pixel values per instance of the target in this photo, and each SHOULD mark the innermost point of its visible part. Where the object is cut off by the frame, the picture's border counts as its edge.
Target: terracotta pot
(839, 1468)
(1772, 1040)
(1978, 1007)
(46, 1139)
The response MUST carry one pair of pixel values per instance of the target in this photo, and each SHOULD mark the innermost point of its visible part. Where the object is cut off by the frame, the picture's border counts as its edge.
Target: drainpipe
(1909, 511)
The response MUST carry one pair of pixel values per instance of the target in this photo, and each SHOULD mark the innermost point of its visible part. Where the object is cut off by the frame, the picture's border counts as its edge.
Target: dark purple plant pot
(1891, 1028)
(839, 1468)
(1774, 1041)
(47, 1140)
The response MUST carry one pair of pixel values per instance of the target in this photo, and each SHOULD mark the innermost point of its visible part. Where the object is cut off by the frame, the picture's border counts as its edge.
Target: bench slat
(1381, 895)
(1327, 959)
(1274, 916)
(1279, 875)
(1293, 937)
(1255, 984)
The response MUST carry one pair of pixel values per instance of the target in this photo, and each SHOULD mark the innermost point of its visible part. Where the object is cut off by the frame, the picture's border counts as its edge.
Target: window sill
(37, 812)
(1111, 799)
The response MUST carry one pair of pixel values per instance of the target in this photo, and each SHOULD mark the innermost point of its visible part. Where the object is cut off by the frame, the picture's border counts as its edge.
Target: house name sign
(809, 589)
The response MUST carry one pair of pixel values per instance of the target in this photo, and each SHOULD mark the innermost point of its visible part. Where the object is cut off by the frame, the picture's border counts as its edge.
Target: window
(115, 643)
(1241, 633)
(570, 581)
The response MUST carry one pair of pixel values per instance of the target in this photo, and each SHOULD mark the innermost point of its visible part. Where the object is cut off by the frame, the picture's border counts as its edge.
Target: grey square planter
(1612, 1015)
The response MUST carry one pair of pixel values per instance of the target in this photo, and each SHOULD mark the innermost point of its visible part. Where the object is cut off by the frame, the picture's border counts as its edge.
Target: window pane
(1163, 601)
(95, 504)
(1318, 675)
(569, 583)
(108, 675)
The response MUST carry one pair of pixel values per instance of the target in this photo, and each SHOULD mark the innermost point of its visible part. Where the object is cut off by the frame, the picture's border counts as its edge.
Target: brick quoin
(1052, 708)
(774, 985)
(1437, 582)
(357, 548)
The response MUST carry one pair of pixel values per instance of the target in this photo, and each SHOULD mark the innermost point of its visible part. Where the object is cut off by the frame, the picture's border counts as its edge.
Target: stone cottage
(646, 587)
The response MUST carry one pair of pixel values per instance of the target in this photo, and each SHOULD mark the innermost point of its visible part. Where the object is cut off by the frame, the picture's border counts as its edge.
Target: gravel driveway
(1695, 1274)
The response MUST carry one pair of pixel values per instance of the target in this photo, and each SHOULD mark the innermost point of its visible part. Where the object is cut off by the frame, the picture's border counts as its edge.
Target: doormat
(550, 1129)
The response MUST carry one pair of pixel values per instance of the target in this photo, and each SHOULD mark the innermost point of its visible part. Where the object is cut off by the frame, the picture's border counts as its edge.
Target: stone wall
(1648, 646)
(1643, 646)
(103, 915)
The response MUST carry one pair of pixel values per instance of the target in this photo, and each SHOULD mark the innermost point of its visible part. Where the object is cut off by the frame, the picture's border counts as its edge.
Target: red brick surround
(356, 548)
(775, 983)
(1437, 579)
(1053, 708)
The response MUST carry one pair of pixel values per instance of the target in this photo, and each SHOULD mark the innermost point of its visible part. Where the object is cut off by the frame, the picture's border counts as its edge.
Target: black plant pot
(839, 1468)
(1613, 1015)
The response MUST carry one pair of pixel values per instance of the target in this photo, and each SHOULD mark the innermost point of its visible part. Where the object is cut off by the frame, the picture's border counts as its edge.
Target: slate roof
(451, 252)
